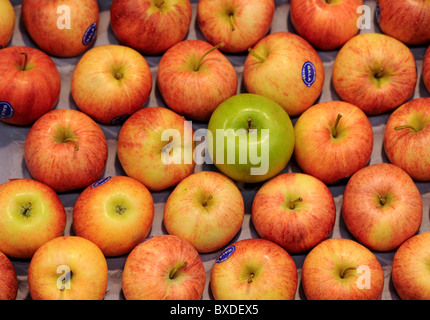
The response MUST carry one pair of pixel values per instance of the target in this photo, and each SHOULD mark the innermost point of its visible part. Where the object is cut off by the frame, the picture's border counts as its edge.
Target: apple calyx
(24, 66)
(250, 277)
(336, 123)
(256, 55)
(120, 209)
(26, 210)
(292, 203)
(343, 272)
(158, 3)
(174, 271)
(205, 202)
(379, 74)
(219, 45)
(382, 200)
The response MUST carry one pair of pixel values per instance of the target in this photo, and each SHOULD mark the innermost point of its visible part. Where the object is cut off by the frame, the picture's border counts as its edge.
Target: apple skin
(327, 26)
(408, 148)
(410, 272)
(66, 150)
(115, 213)
(375, 72)
(297, 226)
(111, 82)
(426, 69)
(265, 114)
(206, 209)
(40, 19)
(8, 279)
(407, 21)
(257, 269)
(7, 22)
(382, 207)
(87, 264)
(150, 26)
(319, 153)
(280, 76)
(147, 270)
(140, 148)
(329, 271)
(25, 95)
(194, 90)
(252, 20)
(23, 228)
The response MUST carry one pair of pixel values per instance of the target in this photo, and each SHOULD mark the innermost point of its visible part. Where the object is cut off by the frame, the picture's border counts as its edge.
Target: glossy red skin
(8, 279)
(31, 92)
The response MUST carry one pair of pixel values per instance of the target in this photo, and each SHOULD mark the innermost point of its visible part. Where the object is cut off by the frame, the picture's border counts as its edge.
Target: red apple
(111, 82)
(66, 150)
(426, 69)
(30, 85)
(164, 267)
(284, 67)
(407, 21)
(115, 213)
(294, 210)
(333, 140)
(326, 24)
(64, 28)
(407, 138)
(342, 269)
(375, 72)
(155, 146)
(68, 268)
(206, 209)
(254, 269)
(8, 279)
(410, 269)
(7, 22)
(237, 23)
(194, 78)
(31, 214)
(150, 26)
(382, 207)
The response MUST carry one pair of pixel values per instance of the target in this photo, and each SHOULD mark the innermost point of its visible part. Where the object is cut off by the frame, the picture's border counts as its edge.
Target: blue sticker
(6, 110)
(100, 182)
(90, 34)
(309, 73)
(120, 119)
(225, 254)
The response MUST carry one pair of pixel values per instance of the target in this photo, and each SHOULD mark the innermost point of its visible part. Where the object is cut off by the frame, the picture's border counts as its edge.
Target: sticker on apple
(100, 182)
(89, 34)
(6, 110)
(225, 254)
(309, 73)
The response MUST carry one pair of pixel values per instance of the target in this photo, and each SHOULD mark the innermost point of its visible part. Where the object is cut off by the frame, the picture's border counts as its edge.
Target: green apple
(251, 138)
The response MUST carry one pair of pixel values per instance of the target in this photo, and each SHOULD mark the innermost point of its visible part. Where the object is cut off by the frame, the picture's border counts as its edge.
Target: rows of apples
(293, 213)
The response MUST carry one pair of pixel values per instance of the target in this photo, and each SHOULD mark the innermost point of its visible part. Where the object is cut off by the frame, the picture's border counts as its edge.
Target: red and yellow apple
(194, 78)
(111, 82)
(31, 214)
(8, 279)
(382, 206)
(68, 268)
(426, 69)
(206, 209)
(150, 26)
(164, 267)
(64, 28)
(7, 22)
(30, 85)
(115, 213)
(66, 150)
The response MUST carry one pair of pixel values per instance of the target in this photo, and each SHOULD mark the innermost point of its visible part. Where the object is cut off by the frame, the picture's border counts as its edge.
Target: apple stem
(249, 123)
(404, 127)
(75, 142)
(292, 203)
(233, 27)
(382, 200)
(344, 271)
(206, 53)
(255, 54)
(25, 61)
(176, 268)
(334, 132)
(250, 277)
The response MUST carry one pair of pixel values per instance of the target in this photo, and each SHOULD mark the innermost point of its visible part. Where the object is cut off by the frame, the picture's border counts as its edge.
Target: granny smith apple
(250, 138)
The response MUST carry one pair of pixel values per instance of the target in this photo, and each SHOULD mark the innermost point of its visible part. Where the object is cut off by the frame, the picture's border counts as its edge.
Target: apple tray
(13, 165)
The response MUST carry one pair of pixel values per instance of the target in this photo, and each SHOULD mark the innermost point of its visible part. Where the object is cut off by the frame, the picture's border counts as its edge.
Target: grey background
(13, 137)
